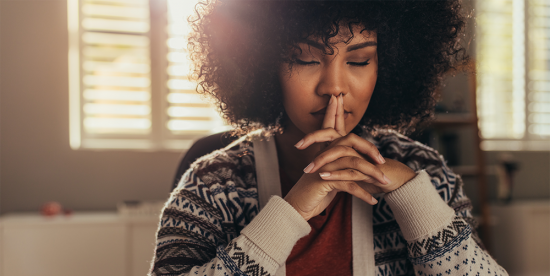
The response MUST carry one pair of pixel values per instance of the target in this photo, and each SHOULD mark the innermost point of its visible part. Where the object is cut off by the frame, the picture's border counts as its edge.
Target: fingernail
(331, 99)
(374, 200)
(382, 160)
(309, 168)
(300, 143)
(388, 181)
(324, 174)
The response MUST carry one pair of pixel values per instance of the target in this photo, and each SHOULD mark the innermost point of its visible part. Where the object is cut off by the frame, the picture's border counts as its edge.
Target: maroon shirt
(327, 250)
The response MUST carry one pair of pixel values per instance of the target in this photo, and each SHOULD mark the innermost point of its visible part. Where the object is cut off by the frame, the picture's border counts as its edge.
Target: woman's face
(351, 71)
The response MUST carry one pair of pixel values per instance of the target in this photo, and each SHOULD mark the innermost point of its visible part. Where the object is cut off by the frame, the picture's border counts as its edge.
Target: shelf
(449, 119)
(466, 170)
(472, 170)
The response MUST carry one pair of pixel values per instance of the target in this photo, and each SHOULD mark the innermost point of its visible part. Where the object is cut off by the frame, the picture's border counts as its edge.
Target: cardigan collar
(269, 184)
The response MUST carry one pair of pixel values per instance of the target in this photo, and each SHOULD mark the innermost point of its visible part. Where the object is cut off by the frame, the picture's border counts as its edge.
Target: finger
(349, 175)
(354, 189)
(362, 146)
(318, 136)
(330, 113)
(330, 155)
(340, 124)
(355, 163)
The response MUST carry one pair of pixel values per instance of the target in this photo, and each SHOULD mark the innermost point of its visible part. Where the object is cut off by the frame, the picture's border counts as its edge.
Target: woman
(332, 83)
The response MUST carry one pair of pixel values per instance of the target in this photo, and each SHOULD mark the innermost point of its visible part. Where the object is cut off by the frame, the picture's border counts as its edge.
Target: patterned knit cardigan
(203, 226)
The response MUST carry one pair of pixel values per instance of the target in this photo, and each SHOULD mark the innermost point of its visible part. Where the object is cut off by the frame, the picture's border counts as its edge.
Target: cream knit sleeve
(439, 241)
(192, 235)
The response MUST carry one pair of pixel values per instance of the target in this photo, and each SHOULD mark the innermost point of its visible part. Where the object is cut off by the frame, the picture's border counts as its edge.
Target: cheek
(296, 92)
(290, 95)
(364, 88)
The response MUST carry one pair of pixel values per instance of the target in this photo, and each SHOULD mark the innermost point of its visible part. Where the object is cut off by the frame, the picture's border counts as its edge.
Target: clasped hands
(346, 163)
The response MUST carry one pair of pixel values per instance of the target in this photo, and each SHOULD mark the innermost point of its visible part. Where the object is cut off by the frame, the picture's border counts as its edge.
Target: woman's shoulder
(233, 163)
(239, 151)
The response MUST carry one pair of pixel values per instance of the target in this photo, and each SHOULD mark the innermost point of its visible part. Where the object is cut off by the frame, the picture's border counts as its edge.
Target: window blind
(116, 100)
(513, 56)
(188, 113)
(115, 66)
(499, 50)
(109, 73)
(539, 68)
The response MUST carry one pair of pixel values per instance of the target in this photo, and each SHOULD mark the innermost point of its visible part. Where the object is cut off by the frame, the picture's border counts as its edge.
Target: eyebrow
(361, 46)
(350, 48)
(315, 44)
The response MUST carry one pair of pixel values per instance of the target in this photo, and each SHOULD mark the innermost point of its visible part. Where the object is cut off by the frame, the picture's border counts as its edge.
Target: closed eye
(364, 63)
(303, 62)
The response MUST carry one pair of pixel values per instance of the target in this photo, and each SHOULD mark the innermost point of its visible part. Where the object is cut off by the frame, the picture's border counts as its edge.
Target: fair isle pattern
(210, 206)
(389, 244)
(218, 197)
(401, 267)
(437, 253)
(244, 262)
(228, 261)
(443, 238)
(466, 260)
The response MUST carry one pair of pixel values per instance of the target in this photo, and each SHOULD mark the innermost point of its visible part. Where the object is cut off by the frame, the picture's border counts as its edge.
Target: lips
(321, 113)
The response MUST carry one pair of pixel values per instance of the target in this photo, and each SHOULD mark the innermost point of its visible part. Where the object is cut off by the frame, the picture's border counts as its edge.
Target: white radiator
(84, 244)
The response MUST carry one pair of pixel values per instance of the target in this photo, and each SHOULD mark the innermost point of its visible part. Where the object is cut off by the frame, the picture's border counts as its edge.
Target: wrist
(399, 178)
(290, 200)
(405, 177)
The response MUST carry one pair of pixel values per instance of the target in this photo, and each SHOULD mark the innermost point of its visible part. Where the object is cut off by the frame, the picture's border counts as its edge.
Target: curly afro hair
(238, 46)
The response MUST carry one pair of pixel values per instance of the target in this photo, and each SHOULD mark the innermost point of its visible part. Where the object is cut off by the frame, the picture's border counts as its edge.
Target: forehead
(346, 35)
(357, 32)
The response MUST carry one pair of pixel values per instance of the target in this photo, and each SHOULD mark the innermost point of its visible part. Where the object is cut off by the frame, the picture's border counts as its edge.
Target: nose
(332, 80)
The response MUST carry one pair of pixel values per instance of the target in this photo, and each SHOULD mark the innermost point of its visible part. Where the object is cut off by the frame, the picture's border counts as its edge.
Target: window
(513, 55)
(128, 74)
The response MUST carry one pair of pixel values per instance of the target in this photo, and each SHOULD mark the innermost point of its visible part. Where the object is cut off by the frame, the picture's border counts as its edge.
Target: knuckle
(340, 149)
(355, 161)
(348, 137)
(308, 136)
(372, 146)
(350, 185)
(378, 171)
(330, 132)
(350, 150)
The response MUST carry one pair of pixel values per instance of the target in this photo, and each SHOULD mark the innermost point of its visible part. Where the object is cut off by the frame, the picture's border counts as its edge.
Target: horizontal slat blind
(539, 69)
(501, 67)
(115, 64)
(188, 113)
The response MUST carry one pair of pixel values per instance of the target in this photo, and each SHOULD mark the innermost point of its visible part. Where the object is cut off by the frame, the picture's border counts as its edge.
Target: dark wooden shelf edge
(453, 120)
(473, 170)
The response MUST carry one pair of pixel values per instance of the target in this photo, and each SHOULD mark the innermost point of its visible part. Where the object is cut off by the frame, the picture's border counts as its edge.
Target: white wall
(37, 164)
